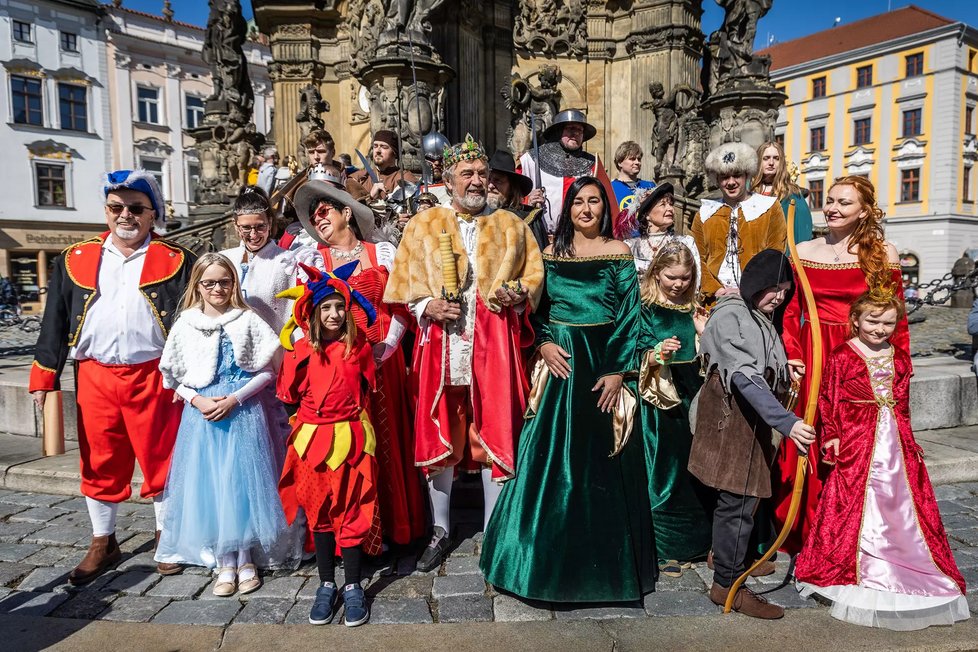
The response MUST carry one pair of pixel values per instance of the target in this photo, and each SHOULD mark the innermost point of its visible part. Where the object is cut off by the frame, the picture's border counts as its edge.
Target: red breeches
(124, 415)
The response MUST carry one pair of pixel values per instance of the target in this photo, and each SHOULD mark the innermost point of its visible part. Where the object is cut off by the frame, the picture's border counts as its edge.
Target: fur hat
(731, 159)
(140, 181)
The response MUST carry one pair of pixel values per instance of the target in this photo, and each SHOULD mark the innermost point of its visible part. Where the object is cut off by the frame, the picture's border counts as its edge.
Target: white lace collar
(753, 207)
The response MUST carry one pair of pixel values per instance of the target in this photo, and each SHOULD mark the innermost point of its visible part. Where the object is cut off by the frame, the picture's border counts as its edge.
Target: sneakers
(747, 602)
(433, 555)
(354, 606)
(324, 608)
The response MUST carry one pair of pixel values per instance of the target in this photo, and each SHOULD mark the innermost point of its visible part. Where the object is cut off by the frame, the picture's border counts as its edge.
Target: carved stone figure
(222, 51)
(524, 100)
(365, 21)
(410, 15)
(552, 27)
(731, 50)
(311, 105)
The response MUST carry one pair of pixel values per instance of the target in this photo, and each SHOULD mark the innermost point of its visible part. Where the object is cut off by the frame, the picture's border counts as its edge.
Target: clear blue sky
(788, 19)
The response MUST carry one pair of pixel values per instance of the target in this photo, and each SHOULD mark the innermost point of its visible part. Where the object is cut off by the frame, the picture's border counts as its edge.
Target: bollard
(54, 425)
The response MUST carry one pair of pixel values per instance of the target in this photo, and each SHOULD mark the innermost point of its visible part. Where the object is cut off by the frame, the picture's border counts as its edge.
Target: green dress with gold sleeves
(680, 504)
(574, 525)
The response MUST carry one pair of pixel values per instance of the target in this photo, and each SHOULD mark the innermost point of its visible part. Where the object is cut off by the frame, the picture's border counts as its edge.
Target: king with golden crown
(470, 276)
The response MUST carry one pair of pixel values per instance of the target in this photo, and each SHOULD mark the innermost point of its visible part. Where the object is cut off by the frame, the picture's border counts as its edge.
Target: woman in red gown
(838, 266)
(341, 226)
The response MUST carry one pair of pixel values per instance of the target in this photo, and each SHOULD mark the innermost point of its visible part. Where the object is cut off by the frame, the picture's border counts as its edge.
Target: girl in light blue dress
(221, 497)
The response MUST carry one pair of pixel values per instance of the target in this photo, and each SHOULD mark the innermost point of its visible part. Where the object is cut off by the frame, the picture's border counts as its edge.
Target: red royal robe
(835, 288)
(849, 413)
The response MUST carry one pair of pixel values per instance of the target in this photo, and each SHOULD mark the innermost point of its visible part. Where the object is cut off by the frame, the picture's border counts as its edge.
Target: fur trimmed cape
(505, 251)
(190, 356)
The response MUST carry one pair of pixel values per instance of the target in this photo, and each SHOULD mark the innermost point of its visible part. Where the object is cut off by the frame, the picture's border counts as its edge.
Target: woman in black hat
(654, 215)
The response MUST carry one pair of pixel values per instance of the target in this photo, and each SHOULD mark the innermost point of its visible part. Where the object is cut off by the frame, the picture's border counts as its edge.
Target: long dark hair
(564, 234)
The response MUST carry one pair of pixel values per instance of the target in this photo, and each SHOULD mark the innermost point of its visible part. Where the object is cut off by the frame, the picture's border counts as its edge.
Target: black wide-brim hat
(653, 196)
(502, 161)
(552, 133)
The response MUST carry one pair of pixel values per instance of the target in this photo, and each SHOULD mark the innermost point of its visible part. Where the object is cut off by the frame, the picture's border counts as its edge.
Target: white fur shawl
(191, 353)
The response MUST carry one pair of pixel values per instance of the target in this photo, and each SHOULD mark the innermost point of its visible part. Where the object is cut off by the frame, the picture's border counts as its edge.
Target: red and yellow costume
(330, 465)
(402, 506)
(835, 287)
(124, 413)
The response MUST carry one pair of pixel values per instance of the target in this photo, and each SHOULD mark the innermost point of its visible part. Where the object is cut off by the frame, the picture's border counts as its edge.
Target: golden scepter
(449, 269)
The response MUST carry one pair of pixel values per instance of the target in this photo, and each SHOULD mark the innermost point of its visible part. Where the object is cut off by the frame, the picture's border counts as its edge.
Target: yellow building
(891, 97)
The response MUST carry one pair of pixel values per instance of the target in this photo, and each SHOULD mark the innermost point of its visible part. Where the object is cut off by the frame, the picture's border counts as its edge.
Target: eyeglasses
(134, 209)
(247, 230)
(225, 283)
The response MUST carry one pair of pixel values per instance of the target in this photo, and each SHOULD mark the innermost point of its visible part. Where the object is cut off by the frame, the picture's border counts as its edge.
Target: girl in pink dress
(877, 548)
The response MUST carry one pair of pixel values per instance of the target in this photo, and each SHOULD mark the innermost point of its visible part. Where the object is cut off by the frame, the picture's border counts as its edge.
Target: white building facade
(55, 134)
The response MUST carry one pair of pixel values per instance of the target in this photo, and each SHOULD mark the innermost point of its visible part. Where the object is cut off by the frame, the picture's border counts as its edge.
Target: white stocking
(440, 493)
(490, 494)
(244, 557)
(227, 560)
(102, 515)
(158, 510)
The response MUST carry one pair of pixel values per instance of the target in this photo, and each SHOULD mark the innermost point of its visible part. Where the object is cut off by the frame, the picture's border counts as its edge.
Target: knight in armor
(561, 159)
(433, 144)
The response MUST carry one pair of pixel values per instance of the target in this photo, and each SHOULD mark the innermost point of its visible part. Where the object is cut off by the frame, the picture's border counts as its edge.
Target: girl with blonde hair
(668, 380)
(774, 179)
(221, 497)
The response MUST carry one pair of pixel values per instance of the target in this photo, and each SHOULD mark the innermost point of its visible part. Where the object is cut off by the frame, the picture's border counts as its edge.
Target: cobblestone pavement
(42, 537)
(943, 331)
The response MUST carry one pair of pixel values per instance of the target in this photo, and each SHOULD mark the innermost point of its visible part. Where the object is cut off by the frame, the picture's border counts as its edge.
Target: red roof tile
(861, 33)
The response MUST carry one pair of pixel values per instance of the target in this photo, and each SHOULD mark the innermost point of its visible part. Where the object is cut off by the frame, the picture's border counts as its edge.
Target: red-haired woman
(840, 266)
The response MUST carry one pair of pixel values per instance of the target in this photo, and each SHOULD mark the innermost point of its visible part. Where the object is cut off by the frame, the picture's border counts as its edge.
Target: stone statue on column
(524, 99)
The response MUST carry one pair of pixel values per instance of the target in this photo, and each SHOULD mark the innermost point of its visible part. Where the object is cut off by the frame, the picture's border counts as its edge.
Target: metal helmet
(566, 117)
(434, 144)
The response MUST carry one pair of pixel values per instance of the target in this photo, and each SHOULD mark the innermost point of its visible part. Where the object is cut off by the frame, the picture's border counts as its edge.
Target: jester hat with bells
(319, 286)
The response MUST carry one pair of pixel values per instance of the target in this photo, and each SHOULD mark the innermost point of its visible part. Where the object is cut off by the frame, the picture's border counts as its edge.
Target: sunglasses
(134, 209)
(225, 283)
(323, 211)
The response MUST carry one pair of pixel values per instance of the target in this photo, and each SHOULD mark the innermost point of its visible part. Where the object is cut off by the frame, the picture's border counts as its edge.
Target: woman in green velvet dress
(669, 379)
(574, 525)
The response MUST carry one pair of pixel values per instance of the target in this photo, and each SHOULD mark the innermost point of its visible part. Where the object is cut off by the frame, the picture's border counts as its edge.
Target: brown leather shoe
(767, 568)
(747, 602)
(164, 568)
(102, 553)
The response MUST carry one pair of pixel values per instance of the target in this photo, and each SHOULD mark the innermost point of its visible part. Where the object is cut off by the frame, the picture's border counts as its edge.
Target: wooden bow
(811, 405)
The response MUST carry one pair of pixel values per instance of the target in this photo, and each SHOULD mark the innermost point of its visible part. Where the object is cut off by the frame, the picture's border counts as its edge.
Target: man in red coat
(471, 387)
(111, 301)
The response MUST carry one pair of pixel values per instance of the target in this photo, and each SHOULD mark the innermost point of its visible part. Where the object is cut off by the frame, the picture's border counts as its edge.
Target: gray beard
(126, 234)
(471, 202)
(495, 202)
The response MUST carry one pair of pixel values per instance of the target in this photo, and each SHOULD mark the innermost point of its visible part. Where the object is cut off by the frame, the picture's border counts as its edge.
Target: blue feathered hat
(140, 181)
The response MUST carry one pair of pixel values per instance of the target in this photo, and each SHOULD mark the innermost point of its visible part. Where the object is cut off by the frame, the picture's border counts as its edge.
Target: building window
(195, 111)
(915, 64)
(864, 76)
(154, 167)
(911, 123)
(816, 189)
(26, 96)
(74, 109)
(779, 139)
(910, 185)
(861, 131)
(69, 42)
(193, 182)
(51, 188)
(969, 116)
(966, 184)
(148, 104)
(817, 139)
(22, 32)
(818, 87)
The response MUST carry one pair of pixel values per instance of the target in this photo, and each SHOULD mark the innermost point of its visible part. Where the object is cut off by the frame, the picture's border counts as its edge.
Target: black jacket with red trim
(72, 289)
